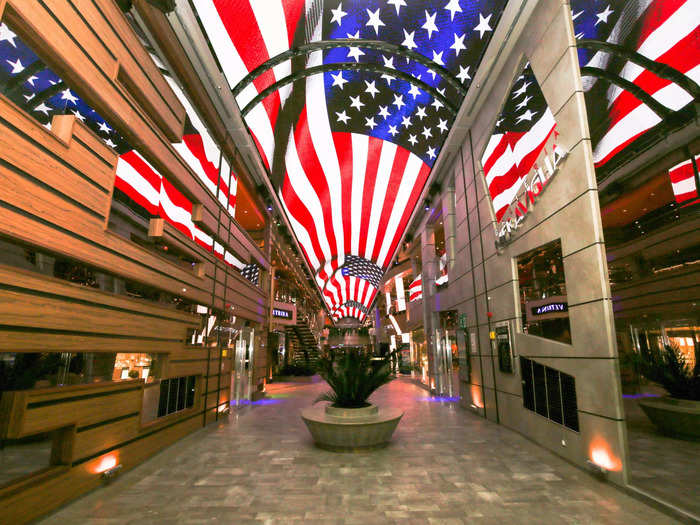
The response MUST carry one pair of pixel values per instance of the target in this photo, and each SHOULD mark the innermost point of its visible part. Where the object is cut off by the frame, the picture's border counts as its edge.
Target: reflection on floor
(445, 465)
(666, 468)
(17, 459)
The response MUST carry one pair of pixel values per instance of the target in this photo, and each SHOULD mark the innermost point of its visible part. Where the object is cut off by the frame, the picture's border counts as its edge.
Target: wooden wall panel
(35, 341)
(94, 440)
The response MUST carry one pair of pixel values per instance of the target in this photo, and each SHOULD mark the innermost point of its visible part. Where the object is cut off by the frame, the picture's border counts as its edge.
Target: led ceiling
(349, 104)
(640, 65)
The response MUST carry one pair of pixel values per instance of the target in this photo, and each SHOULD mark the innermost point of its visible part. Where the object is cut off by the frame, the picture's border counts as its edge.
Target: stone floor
(445, 466)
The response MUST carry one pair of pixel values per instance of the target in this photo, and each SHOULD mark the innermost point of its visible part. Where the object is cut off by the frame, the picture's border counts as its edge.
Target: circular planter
(676, 417)
(344, 429)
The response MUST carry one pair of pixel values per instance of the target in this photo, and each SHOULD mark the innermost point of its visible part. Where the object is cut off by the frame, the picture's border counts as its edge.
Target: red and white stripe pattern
(248, 34)
(669, 34)
(201, 153)
(683, 181)
(415, 290)
(509, 157)
(139, 180)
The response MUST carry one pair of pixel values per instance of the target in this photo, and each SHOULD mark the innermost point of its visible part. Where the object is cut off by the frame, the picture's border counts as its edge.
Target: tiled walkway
(445, 466)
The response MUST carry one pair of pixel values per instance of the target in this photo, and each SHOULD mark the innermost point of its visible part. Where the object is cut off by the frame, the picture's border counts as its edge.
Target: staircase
(305, 344)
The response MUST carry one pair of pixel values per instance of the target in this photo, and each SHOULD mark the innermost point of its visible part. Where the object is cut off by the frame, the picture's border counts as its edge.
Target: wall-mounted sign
(553, 307)
(283, 314)
(503, 347)
(549, 308)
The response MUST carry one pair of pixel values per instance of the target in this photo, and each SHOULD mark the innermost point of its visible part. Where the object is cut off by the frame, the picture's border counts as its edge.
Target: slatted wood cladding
(56, 195)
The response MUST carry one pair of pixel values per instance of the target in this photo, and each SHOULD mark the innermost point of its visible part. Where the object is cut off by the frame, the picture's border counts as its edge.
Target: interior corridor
(444, 465)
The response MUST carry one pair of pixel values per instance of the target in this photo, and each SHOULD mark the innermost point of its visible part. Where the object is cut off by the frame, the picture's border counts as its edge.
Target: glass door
(243, 367)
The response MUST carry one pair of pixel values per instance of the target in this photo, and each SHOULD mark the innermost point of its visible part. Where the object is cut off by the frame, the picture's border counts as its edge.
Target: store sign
(283, 314)
(550, 308)
(532, 186)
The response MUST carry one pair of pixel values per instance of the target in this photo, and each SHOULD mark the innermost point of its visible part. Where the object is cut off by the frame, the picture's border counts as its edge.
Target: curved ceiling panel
(349, 148)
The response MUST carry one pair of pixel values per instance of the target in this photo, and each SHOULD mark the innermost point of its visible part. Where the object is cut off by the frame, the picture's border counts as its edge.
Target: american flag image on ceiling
(27, 81)
(521, 133)
(349, 149)
(684, 181)
(665, 31)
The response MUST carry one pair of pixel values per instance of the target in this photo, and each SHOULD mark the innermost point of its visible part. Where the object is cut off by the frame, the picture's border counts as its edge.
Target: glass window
(542, 291)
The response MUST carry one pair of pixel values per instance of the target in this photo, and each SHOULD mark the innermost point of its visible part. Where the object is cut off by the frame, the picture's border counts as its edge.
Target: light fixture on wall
(597, 470)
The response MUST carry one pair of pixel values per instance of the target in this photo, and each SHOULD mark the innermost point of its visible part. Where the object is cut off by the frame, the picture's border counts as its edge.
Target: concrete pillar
(448, 219)
(430, 321)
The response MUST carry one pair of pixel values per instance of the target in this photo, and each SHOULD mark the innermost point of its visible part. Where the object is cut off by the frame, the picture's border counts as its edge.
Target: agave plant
(352, 375)
(668, 368)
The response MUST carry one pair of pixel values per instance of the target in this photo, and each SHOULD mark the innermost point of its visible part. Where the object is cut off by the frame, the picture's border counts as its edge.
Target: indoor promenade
(444, 465)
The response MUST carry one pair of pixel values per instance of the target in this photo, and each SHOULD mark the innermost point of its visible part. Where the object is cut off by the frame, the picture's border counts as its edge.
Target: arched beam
(348, 66)
(350, 42)
(658, 108)
(659, 69)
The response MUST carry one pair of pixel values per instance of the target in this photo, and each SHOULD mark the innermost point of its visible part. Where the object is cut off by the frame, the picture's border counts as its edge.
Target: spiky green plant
(353, 376)
(668, 368)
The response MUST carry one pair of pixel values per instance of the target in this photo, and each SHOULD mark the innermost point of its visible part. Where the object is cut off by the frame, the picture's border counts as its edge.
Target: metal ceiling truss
(349, 66)
(379, 45)
(659, 69)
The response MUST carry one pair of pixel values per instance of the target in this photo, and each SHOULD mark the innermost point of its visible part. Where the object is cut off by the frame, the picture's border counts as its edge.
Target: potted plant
(350, 421)
(677, 414)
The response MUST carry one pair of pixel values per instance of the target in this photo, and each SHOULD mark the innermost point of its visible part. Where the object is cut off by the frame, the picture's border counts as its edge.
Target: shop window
(542, 291)
(24, 371)
(176, 394)
(550, 393)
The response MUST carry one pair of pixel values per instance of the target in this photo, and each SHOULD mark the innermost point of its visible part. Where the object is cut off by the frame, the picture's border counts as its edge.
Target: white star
(110, 143)
(388, 62)
(343, 117)
(431, 153)
(426, 133)
(602, 16)
(437, 58)
(408, 39)
(499, 121)
(393, 131)
(458, 44)
(370, 123)
(405, 122)
(397, 3)
(521, 90)
(388, 78)
(48, 126)
(374, 20)
(356, 102)
(29, 97)
(412, 139)
(384, 111)
(420, 113)
(414, 91)
(31, 80)
(398, 101)
(6, 34)
(43, 108)
(453, 7)
(483, 25)
(338, 14)
(17, 67)
(371, 88)
(355, 52)
(70, 97)
(436, 104)
(523, 103)
(104, 128)
(78, 115)
(338, 80)
(442, 126)
(429, 25)
(525, 116)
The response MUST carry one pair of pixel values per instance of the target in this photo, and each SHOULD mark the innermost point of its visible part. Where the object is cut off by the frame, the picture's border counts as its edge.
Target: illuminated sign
(550, 308)
(284, 314)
